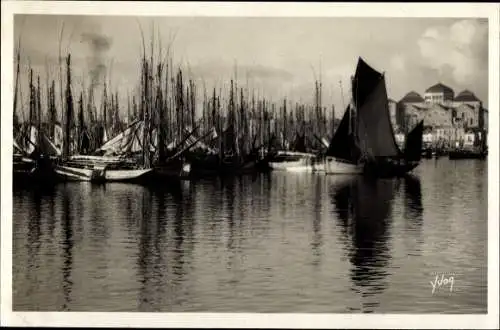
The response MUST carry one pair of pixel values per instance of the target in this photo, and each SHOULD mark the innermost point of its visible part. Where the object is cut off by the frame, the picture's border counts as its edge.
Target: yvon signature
(445, 280)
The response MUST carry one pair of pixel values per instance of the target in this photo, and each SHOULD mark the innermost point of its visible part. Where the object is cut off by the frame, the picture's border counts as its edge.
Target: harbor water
(279, 242)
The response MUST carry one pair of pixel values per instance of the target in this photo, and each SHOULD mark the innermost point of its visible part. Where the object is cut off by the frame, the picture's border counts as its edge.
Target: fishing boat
(365, 141)
(477, 150)
(290, 160)
(34, 162)
(22, 165)
(99, 169)
(114, 161)
(226, 159)
(467, 153)
(343, 154)
(296, 159)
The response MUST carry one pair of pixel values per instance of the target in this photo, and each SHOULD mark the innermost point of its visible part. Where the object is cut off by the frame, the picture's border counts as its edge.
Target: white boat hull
(304, 163)
(335, 166)
(288, 165)
(310, 166)
(99, 173)
(73, 173)
(124, 175)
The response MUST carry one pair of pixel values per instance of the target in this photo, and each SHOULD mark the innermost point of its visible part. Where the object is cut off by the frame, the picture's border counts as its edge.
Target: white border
(203, 320)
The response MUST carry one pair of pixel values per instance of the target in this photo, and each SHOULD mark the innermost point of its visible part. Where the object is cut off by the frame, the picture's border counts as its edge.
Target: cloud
(461, 48)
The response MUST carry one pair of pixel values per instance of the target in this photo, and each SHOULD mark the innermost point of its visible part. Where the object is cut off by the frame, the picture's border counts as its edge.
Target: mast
(16, 87)
(69, 110)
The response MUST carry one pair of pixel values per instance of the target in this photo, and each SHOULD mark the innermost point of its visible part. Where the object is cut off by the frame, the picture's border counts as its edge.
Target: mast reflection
(67, 249)
(316, 242)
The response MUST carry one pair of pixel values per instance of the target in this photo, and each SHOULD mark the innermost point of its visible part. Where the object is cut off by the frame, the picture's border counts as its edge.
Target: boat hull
(336, 166)
(294, 162)
(99, 174)
(26, 170)
(179, 171)
(389, 168)
(465, 154)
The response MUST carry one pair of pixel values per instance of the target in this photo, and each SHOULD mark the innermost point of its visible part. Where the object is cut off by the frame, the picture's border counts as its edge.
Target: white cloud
(459, 47)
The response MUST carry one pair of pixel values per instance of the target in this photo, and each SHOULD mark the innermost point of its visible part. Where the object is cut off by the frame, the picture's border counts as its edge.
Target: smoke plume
(99, 44)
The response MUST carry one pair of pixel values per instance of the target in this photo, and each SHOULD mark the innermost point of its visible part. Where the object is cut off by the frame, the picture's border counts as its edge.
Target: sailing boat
(113, 163)
(413, 144)
(22, 165)
(101, 167)
(364, 141)
(343, 153)
(34, 160)
(296, 159)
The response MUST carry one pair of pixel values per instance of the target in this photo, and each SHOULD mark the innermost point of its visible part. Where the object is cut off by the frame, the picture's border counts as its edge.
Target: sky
(275, 57)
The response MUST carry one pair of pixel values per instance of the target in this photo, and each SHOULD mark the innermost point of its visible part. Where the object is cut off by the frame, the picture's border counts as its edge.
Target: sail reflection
(363, 207)
(413, 214)
(413, 199)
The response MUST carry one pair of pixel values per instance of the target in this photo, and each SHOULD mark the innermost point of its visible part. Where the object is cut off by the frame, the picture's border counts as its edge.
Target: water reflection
(272, 243)
(316, 225)
(413, 213)
(363, 207)
(67, 250)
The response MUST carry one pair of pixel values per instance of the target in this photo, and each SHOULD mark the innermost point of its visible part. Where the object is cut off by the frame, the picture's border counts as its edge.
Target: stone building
(393, 115)
(439, 93)
(447, 116)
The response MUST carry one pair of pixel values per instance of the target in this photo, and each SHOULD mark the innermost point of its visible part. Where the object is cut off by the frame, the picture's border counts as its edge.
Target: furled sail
(121, 142)
(17, 148)
(47, 147)
(413, 146)
(32, 139)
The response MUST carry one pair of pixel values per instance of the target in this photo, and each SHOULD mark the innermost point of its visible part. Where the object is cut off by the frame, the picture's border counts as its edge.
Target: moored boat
(292, 161)
(343, 154)
(467, 154)
(99, 173)
(375, 136)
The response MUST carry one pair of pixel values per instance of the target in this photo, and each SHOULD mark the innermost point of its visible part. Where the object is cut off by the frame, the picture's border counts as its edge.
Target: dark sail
(299, 145)
(364, 82)
(228, 139)
(343, 144)
(413, 145)
(375, 133)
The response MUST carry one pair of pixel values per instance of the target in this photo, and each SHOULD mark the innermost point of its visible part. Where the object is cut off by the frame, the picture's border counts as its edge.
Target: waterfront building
(446, 116)
(393, 115)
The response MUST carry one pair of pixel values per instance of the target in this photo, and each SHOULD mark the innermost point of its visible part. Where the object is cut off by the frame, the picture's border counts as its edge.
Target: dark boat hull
(211, 166)
(466, 154)
(389, 168)
(25, 172)
(427, 153)
(173, 171)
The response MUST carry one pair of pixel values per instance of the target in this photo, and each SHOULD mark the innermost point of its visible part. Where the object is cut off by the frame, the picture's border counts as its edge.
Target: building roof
(439, 88)
(412, 97)
(447, 108)
(466, 96)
